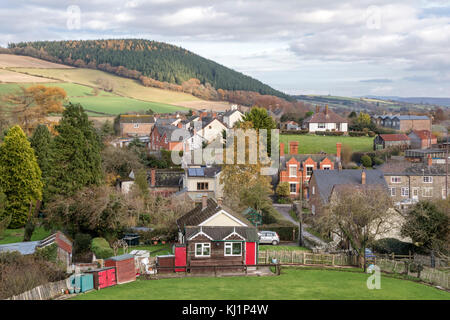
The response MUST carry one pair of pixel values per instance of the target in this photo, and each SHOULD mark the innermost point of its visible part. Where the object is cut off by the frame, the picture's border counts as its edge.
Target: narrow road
(284, 209)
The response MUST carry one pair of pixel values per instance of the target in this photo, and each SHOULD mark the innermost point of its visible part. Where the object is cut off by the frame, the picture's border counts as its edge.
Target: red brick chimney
(293, 147)
(317, 109)
(153, 178)
(204, 201)
(326, 110)
(281, 149)
(429, 160)
(363, 177)
(338, 150)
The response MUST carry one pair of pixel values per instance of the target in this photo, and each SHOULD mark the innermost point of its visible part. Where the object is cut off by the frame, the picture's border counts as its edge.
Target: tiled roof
(131, 118)
(411, 169)
(322, 117)
(198, 215)
(424, 134)
(327, 179)
(303, 157)
(402, 117)
(220, 233)
(168, 130)
(394, 137)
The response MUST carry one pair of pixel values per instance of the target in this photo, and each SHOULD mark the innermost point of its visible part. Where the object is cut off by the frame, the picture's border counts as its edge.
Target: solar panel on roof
(192, 172)
(200, 172)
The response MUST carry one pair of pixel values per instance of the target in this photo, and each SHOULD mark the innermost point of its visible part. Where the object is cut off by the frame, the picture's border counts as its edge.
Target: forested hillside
(145, 60)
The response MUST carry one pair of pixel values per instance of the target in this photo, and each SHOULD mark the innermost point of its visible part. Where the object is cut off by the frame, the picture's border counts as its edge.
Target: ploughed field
(292, 284)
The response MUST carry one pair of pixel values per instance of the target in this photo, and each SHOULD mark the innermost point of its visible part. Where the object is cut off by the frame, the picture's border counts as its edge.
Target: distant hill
(445, 102)
(156, 60)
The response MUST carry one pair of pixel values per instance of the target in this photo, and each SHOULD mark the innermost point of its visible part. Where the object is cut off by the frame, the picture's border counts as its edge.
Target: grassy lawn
(292, 284)
(310, 144)
(16, 235)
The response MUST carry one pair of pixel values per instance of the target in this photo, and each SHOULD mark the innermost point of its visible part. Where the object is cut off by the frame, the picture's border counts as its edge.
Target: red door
(102, 279)
(250, 253)
(111, 277)
(180, 259)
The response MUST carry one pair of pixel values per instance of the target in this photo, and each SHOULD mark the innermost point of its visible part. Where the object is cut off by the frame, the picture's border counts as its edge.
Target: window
(321, 125)
(292, 171)
(309, 170)
(392, 192)
(136, 125)
(415, 192)
(233, 249)
(313, 190)
(396, 180)
(202, 249)
(427, 192)
(405, 192)
(202, 186)
(427, 179)
(326, 167)
(293, 187)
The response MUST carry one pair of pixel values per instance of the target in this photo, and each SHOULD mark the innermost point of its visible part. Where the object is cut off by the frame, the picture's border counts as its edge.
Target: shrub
(392, 245)
(377, 161)
(329, 133)
(284, 231)
(269, 215)
(350, 165)
(48, 253)
(302, 131)
(366, 161)
(283, 190)
(100, 247)
(357, 134)
(371, 134)
(4, 223)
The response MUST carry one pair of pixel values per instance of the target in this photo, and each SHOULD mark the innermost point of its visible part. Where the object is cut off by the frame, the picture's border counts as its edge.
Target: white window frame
(290, 184)
(392, 191)
(405, 192)
(313, 190)
(321, 125)
(309, 166)
(425, 191)
(429, 178)
(136, 125)
(415, 190)
(326, 167)
(203, 246)
(295, 170)
(396, 179)
(229, 245)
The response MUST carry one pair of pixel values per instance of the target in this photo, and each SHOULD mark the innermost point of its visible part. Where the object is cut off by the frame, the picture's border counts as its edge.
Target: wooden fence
(44, 292)
(307, 258)
(430, 275)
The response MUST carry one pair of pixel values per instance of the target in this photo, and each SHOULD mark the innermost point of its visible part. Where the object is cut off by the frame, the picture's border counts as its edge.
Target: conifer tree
(20, 176)
(75, 160)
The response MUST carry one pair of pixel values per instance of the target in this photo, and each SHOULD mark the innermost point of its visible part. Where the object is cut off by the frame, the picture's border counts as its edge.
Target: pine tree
(20, 176)
(75, 160)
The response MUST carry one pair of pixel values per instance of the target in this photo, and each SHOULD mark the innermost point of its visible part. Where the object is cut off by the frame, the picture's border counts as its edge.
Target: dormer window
(309, 170)
(292, 170)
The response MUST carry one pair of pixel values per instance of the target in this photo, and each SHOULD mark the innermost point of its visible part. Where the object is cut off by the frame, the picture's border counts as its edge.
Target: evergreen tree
(20, 176)
(75, 160)
(40, 142)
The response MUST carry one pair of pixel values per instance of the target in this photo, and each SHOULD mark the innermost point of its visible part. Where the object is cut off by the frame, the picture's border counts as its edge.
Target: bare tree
(359, 214)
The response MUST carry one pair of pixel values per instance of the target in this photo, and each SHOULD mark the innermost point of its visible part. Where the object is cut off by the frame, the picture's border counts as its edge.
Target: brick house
(411, 182)
(135, 125)
(403, 123)
(327, 120)
(296, 169)
(383, 141)
(422, 139)
(200, 180)
(162, 137)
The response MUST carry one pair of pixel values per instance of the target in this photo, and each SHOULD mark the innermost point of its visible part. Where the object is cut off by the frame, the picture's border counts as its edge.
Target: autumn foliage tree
(29, 107)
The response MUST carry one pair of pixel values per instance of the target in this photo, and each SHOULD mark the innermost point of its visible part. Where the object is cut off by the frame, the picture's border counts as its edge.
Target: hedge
(100, 247)
(357, 134)
(392, 245)
(329, 133)
(285, 232)
(302, 131)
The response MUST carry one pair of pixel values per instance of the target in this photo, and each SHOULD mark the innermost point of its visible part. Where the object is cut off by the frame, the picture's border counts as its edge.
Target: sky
(345, 47)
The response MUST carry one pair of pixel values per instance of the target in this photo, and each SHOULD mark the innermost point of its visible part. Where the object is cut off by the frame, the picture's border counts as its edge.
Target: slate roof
(321, 117)
(197, 215)
(132, 118)
(24, 248)
(230, 112)
(168, 130)
(220, 233)
(424, 134)
(205, 172)
(327, 179)
(412, 169)
(167, 178)
(121, 257)
(402, 117)
(394, 137)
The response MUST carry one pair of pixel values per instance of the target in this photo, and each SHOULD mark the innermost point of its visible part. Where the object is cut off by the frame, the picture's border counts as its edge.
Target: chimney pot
(281, 149)
(338, 150)
(363, 177)
(153, 178)
(204, 201)
(293, 147)
(430, 160)
(219, 202)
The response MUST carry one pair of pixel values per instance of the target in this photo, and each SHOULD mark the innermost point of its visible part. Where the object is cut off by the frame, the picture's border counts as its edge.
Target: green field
(311, 144)
(103, 102)
(292, 284)
(122, 86)
(16, 235)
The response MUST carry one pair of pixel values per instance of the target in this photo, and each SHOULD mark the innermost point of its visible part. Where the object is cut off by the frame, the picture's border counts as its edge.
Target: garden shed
(125, 269)
(104, 277)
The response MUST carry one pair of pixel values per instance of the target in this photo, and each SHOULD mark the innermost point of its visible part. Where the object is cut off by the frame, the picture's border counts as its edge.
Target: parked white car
(269, 237)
